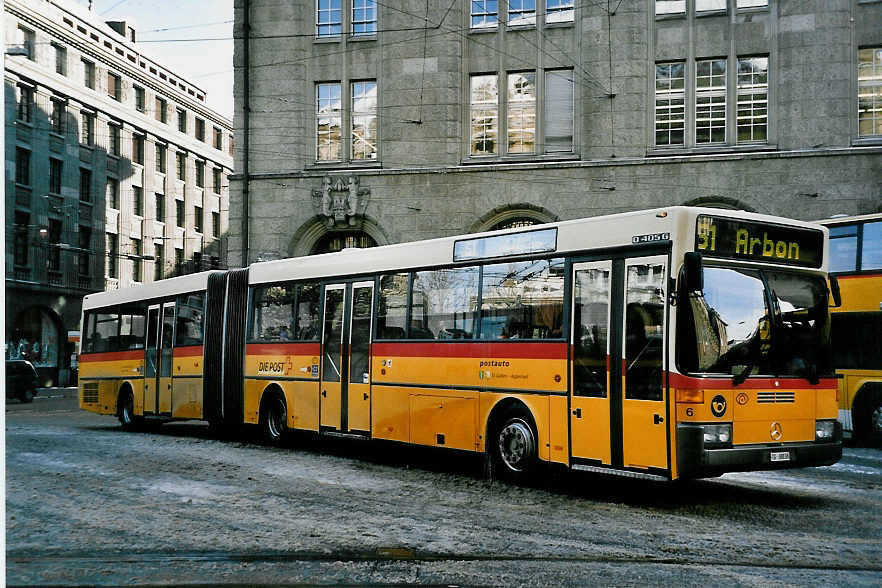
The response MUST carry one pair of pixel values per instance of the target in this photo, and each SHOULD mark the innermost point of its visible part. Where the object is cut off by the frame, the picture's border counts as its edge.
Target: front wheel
(27, 395)
(274, 417)
(125, 410)
(514, 447)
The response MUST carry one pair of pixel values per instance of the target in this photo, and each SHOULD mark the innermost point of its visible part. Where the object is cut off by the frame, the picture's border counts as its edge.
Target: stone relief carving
(341, 201)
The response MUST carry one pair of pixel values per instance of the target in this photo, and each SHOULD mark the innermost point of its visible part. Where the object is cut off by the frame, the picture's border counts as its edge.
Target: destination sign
(741, 239)
(524, 243)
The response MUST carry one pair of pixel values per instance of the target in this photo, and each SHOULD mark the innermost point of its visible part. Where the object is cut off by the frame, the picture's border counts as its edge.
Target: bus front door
(346, 360)
(618, 401)
(151, 365)
(166, 352)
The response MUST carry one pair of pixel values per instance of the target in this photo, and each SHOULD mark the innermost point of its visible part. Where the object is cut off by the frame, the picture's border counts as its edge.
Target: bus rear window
(850, 332)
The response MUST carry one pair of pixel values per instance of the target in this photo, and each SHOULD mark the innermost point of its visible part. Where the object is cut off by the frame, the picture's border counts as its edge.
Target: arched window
(514, 223)
(338, 241)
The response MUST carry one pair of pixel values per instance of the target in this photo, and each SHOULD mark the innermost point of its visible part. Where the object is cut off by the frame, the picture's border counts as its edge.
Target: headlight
(824, 430)
(717, 435)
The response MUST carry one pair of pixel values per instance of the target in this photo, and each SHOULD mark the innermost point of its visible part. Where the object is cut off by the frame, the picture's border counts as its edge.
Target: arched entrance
(314, 237)
(513, 216)
(339, 240)
(36, 336)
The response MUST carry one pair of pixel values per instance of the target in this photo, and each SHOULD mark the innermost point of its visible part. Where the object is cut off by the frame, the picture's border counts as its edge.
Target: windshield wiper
(753, 348)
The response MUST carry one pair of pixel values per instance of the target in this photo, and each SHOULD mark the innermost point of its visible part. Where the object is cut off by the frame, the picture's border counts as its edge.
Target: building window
(114, 133)
(521, 13)
(328, 18)
(25, 102)
(710, 5)
(200, 129)
(753, 99)
(159, 214)
(338, 241)
(138, 149)
(216, 180)
(87, 131)
(484, 115)
(56, 119)
(22, 166)
(197, 219)
(328, 122)
(136, 260)
(364, 17)
(55, 168)
(85, 243)
(870, 92)
(140, 99)
(138, 201)
(179, 260)
(55, 229)
(485, 14)
(88, 74)
(670, 103)
(161, 107)
(26, 40)
(559, 11)
(182, 120)
(157, 261)
(114, 86)
(670, 7)
(215, 225)
(112, 193)
(160, 157)
(60, 59)
(200, 174)
(111, 243)
(85, 185)
(710, 101)
(364, 120)
(179, 213)
(181, 161)
(20, 239)
(559, 110)
(522, 112)
(218, 139)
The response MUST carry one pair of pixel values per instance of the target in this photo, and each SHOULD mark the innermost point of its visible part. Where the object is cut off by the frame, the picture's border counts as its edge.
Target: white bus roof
(616, 230)
(846, 220)
(160, 289)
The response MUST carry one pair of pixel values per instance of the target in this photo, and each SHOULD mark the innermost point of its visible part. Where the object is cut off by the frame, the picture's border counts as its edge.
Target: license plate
(780, 456)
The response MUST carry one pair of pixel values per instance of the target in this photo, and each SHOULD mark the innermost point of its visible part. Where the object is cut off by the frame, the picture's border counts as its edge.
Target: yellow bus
(856, 263)
(662, 344)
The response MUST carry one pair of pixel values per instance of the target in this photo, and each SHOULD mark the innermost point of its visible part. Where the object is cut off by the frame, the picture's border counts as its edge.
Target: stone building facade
(361, 122)
(116, 173)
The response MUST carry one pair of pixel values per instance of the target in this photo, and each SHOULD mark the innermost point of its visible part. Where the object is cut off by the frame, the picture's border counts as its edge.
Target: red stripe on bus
(296, 348)
(111, 356)
(681, 381)
(855, 276)
(472, 350)
(188, 351)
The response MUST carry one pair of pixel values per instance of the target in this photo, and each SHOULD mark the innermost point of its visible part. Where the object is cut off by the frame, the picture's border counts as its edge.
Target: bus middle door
(333, 367)
(166, 358)
(151, 363)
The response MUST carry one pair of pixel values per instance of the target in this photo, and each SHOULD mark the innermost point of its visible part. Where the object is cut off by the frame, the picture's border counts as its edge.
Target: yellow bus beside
(856, 263)
(662, 344)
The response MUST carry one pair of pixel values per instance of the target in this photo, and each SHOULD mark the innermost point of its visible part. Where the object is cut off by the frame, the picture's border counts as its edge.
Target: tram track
(395, 554)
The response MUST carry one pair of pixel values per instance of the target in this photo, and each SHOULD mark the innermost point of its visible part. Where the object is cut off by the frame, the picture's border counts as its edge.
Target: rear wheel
(514, 448)
(27, 395)
(274, 419)
(125, 410)
(868, 420)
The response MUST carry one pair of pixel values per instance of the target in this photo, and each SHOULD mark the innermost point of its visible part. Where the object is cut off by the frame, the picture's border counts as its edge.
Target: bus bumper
(696, 461)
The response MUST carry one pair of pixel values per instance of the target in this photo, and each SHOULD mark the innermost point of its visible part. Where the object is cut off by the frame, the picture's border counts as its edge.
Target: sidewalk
(70, 392)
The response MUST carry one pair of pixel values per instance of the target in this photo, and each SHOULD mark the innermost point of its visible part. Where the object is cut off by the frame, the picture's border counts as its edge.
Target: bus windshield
(728, 329)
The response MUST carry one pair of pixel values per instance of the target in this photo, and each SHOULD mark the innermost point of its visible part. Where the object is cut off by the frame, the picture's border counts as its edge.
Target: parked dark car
(21, 380)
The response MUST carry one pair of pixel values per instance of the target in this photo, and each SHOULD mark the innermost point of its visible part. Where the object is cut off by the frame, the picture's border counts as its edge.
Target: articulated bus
(856, 328)
(664, 344)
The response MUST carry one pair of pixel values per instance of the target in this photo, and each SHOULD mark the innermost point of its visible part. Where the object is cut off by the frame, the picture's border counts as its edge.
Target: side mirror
(834, 289)
(694, 272)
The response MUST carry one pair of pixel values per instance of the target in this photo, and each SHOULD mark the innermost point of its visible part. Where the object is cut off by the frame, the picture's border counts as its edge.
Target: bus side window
(523, 300)
(444, 303)
(392, 306)
(307, 312)
(132, 327)
(272, 313)
(190, 319)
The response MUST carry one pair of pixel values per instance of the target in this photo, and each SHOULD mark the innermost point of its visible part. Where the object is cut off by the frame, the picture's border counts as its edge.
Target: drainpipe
(246, 109)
